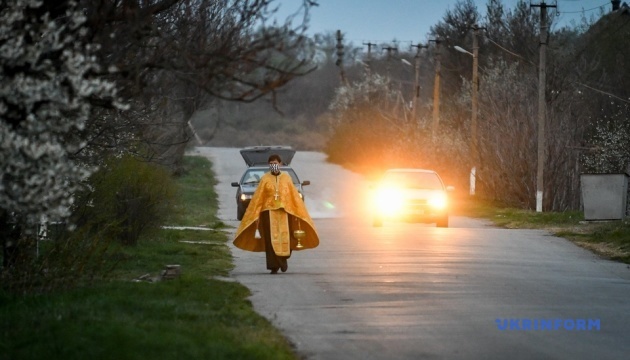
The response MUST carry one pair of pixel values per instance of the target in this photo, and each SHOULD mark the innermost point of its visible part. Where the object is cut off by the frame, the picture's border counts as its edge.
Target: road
(414, 291)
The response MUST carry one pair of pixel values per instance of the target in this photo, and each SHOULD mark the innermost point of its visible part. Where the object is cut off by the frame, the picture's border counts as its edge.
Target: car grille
(417, 203)
(417, 206)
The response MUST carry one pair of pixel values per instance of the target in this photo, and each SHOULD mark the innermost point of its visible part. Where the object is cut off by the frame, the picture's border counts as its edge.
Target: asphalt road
(414, 291)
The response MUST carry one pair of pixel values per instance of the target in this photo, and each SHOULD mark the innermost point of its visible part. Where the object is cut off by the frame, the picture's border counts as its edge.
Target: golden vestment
(279, 196)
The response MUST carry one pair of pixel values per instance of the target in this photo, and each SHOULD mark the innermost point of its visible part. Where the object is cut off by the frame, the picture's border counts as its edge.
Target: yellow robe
(289, 204)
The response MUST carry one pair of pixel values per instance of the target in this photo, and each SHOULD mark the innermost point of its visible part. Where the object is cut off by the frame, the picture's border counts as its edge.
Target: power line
(583, 10)
(603, 92)
(381, 41)
(508, 51)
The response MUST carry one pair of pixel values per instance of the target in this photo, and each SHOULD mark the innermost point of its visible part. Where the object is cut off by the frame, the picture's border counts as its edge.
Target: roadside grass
(609, 239)
(132, 315)
(198, 202)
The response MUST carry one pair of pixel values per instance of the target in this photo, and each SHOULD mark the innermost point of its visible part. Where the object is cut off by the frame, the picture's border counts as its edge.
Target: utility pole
(340, 57)
(436, 89)
(416, 98)
(542, 108)
(474, 149)
(475, 109)
(389, 49)
(369, 56)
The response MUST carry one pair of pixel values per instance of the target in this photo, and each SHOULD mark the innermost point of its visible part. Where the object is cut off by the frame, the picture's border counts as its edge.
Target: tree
(507, 134)
(50, 81)
(167, 58)
(609, 147)
(454, 30)
(175, 57)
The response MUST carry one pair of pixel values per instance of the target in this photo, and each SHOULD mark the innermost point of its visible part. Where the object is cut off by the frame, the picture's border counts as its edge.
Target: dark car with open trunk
(256, 158)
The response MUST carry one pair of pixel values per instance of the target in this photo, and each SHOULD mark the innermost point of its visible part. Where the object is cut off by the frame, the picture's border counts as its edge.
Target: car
(256, 158)
(416, 195)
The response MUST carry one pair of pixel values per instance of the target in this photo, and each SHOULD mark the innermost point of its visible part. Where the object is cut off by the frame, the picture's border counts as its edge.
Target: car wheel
(240, 211)
(377, 222)
(443, 222)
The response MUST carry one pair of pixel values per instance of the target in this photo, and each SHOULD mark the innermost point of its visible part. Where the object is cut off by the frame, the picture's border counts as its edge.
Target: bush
(72, 259)
(125, 199)
(121, 202)
(610, 143)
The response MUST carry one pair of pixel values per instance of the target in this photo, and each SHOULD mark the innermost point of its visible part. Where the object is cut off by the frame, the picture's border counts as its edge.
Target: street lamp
(416, 87)
(473, 119)
(461, 49)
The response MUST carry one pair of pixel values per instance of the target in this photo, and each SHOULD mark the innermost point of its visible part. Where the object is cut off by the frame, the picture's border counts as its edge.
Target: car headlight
(438, 201)
(245, 197)
(388, 201)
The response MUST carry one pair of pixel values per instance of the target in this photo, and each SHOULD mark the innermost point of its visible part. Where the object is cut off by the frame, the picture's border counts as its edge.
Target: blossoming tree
(49, 78)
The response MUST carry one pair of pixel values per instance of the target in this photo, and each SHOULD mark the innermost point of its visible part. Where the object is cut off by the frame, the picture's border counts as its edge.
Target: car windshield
(252, 176)
(414, 180)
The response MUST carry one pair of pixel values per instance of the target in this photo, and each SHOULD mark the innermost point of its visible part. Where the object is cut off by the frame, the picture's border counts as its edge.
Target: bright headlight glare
(388, 200)
(438, 201)
(245, 197)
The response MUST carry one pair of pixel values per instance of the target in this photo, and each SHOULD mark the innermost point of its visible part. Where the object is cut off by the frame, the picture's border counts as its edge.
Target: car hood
(418, 194)
(248, 189)
(259, 155)
(422, 193)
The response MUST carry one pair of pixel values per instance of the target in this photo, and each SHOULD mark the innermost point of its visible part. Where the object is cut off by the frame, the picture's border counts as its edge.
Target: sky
(409, 21)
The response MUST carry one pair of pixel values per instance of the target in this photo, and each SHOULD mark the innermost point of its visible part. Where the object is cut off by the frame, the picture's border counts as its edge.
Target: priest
(276, 220)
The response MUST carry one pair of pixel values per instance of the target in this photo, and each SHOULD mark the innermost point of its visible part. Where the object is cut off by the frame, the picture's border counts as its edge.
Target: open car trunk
(258, 155)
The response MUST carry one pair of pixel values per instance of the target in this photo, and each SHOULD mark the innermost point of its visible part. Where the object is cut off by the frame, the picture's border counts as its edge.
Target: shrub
(610, 143)
(126, 199)
(121, 202)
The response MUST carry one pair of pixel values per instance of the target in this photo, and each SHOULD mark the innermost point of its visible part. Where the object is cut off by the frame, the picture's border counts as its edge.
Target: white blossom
(610, 143)
(46, 74)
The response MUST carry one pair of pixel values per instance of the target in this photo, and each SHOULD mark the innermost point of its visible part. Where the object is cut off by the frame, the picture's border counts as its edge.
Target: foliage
(385, 137)
(194, 316)
(373, 130)
(125, 199)
(453, 30)
(610, 143)
(58, 260)
(50, 78)
(59, 111)
(507, 134)
(581, 69)
(175, 57)
(361, 116)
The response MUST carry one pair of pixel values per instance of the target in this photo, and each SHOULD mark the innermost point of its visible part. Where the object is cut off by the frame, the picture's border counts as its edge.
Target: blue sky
(409, 21)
